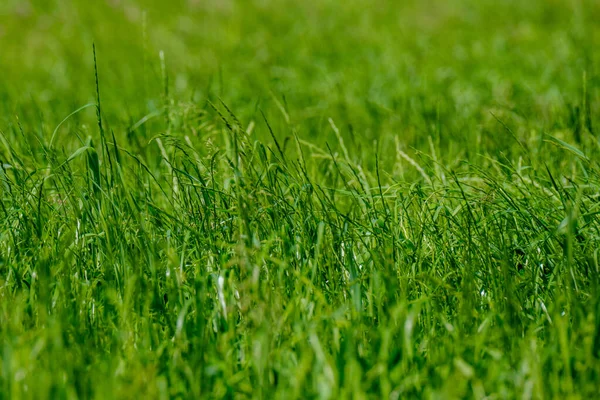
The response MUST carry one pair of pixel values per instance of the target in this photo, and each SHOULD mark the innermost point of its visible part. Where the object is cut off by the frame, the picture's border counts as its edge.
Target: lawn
(282, 199)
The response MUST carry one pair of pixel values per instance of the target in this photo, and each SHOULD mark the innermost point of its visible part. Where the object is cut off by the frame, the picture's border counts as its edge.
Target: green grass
(277, 199)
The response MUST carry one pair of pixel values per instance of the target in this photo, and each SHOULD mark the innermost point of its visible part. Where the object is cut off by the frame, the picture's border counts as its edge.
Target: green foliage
(276, 199)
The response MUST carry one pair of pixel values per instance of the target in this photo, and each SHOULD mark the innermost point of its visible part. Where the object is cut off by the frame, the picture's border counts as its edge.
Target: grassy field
(282, 199)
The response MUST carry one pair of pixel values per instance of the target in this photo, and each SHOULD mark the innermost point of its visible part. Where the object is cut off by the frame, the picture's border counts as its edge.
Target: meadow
(276, 199)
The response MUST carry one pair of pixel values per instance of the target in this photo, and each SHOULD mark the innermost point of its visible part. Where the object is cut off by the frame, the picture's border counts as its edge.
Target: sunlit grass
(281, 200)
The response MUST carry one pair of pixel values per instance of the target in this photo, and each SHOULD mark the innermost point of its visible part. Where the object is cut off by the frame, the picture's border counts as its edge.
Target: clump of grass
(438, 244)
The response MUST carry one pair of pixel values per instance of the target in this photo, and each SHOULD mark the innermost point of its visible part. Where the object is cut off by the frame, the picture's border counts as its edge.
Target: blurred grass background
(377, 68)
